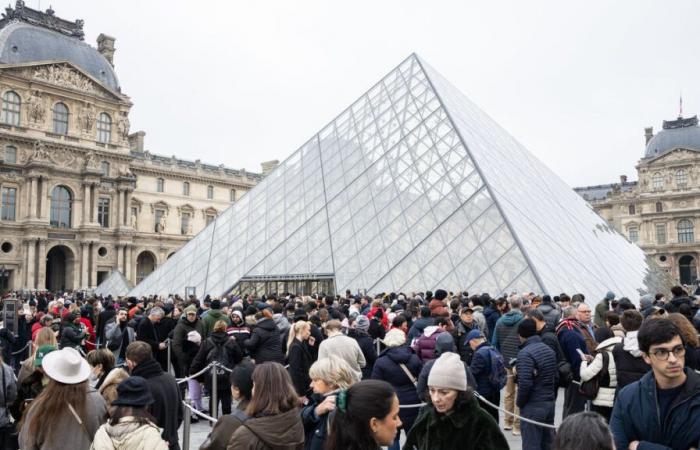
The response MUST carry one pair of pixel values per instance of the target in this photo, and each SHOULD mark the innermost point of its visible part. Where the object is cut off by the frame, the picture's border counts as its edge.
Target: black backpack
(220, 354)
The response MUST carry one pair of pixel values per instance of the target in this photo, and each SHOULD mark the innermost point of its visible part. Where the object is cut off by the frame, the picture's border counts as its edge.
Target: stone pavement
(200, 431)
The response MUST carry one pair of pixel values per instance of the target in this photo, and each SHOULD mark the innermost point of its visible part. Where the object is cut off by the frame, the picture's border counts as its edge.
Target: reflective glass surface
(115, 285)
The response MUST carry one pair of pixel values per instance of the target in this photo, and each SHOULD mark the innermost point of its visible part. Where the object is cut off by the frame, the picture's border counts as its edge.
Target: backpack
(589, 389)
(498, 376)
(220, 354)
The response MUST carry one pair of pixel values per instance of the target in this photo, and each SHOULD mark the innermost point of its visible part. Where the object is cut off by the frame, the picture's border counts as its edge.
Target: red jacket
(90, 341)
(385, 319)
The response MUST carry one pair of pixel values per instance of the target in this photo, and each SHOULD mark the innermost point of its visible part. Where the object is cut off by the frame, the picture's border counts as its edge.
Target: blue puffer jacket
(537, 372)
(635, 416)
(492, 315)
(387, 368)
(481, 369)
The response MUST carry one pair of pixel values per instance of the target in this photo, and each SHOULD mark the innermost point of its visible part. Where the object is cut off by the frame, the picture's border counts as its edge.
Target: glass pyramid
(410, 188)
(115, 285)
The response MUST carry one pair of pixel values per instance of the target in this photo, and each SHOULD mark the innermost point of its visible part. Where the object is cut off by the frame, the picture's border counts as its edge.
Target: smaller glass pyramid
(410, 188)
(115, 285)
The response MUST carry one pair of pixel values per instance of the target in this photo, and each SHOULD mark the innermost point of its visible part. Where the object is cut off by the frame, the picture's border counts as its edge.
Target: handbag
(9, 436)
(408, 374)
(589, 389)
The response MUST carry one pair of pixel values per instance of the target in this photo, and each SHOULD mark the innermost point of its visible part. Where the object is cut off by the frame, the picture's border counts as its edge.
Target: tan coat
(128, 435)
(108, 389)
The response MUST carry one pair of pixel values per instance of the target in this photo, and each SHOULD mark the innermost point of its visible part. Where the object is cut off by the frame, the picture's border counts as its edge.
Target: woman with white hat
(67, 413)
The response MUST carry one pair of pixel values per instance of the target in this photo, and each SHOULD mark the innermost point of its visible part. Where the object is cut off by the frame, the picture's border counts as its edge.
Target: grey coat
(113, 333)
(10, 387)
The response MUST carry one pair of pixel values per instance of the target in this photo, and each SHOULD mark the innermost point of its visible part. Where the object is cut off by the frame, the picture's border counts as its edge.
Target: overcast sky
(241, 82)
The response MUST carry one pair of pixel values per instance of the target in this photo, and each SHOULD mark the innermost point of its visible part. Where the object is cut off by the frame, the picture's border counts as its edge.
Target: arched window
(633, 231)
(657, 181)
(61, 207)
(104, 128)
(632, 210)
(60, 118)
(11, 105)
(160, 185)
(104, 167)
(685, 231)
(186, 188)
(210, 192)
(659, 207)
(681, 178)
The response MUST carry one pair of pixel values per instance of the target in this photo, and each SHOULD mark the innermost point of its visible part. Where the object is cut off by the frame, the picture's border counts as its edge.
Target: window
(659, 207)
(11, 105)
(60, 118)
(104, 128)
(104, 167)
(61, 207)
(184, 223)
(632, 210)
(185, 188)
(9, 203)
(661, 233)
(685, 231)
(633, 231)
(210, 218)
(103, 212)
(10, 155)
(159, 215)
(210, 192)
(160, 185)
(681, 178)
(232, 195)
(657, 181)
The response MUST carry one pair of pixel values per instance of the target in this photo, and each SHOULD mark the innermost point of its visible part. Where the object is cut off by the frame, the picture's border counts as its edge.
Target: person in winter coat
(8, 394)
(106, 377)
(280, 319)
(72, 334)
(342, 346)
(419, 324)
(214, 315)
(167, 406)
(546, 333)
(572, 341)
(218, 347)
(86, 325)
(147, 331)
(130, 427)
(481, 369)
(505, 340)
(67, 413)
(591, 366)
(328, 376)
(119, 334)
(492, 312)
(375, 325)
(359, 332)
(424, 346)
(264, 344)
(239, 329)
(299, 357)
(629, 363)
(662, 409)
(444, 344)
(453, 419)
(537, 379)
(646, 305)
(464, 326)
(679, 298)
(601, 308)
(187, 338)
(400, 367)
(549, 311)
(274, 420)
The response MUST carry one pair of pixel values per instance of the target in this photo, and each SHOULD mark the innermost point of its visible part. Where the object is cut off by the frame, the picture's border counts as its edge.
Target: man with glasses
(662, 409)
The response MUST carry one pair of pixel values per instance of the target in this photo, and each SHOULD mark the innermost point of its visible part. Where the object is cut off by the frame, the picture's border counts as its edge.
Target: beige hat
(66, 366)
(448, 372)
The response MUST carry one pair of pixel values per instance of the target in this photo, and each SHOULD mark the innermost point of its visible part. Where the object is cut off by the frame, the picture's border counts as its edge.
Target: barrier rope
(23, 348)
(199, 413)
(201, 372)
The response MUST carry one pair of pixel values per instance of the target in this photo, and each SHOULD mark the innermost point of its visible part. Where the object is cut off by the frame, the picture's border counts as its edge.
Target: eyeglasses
(662, 353)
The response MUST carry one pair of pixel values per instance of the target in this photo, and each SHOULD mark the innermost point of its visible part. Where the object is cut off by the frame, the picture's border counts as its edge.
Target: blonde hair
(333, 371)
(220, 325)
(45, 336)
(294, 330)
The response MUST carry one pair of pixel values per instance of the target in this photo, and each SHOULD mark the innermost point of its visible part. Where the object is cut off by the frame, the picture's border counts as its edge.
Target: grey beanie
(444, 343)
(610, 295)
(646, 301)
(448, 372)
(362, 323)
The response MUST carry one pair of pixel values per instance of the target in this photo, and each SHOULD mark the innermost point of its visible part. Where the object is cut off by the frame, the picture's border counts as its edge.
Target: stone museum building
(80, 195)
(661, 211)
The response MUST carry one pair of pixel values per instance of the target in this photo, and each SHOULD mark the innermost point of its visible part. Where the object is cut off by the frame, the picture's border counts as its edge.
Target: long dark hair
(350, 427)
(273, 391)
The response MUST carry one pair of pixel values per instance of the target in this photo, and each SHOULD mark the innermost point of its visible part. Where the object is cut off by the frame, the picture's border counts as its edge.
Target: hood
(124, 434)
(267, 324)
(609, 342)
(511, 317)
(219, 337)
(400, 355)
(545, 308)
(430, 330)
(631, 344)
(216, 314)
(281, 431)
(281, 322)
(422, 322)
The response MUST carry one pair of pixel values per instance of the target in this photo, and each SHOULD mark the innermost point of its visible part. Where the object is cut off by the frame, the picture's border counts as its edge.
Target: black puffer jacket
(185, 350)
(217, 338)
(537, 372)
(550, 313)
(366, 344)
(264, 343)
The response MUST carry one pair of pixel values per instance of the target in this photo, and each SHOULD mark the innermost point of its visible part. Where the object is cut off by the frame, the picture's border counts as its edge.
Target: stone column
(41, 258)
(127, 207)
(93, 267)
(44, 202)
(32, 197)
(91, 204)
(86, 208)
(129, 275)
(120, 206)
(120, 258)
(31, 263)
(84, 249)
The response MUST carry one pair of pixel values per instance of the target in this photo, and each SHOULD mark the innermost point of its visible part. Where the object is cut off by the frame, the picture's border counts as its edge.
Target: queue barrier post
(214, 410)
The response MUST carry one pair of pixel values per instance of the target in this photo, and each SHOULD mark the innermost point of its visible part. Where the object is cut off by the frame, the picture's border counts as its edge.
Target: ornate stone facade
(661, 211)
(81, 197)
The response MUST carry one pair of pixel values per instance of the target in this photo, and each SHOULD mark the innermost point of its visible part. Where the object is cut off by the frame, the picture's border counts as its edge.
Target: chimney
(648, 134)
(105, 45)
(623, 179)
(269, 166)
(136, 141)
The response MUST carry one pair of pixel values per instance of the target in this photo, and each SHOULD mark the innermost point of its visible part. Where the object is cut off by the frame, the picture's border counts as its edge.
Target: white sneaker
(508, 427)
(516, 432)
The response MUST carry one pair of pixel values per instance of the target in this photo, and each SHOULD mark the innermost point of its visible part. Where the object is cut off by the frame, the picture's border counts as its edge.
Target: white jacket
(606, 394)
(128, 435)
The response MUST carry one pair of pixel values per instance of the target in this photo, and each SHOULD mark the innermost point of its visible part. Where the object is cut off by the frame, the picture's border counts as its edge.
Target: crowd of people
(338, 372)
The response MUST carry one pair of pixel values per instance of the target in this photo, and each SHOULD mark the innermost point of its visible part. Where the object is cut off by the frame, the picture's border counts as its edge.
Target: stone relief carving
(123, 125)
(64, 159)
(65, 77)
(40, 153)
(91, 161)
(87, 118)
(36, 109)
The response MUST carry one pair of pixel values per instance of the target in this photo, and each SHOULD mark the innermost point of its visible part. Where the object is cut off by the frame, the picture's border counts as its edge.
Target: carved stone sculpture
(36, 110)
(64, 76)
(132, 221)
(123, 126)
(39, 153)
(91, 161)
(87, 118)
(161, 224)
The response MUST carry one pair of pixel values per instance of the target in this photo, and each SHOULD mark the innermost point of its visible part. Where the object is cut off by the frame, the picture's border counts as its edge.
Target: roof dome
(22, 43)
(683, 133)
